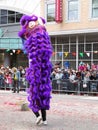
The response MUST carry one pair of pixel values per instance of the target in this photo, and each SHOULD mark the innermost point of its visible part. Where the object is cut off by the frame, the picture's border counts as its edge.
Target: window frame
(91, 10)
(67, 11)
(8, 16)
(46, 11)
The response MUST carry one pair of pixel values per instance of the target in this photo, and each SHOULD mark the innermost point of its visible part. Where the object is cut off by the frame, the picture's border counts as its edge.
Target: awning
(22, 6)
(10, 43)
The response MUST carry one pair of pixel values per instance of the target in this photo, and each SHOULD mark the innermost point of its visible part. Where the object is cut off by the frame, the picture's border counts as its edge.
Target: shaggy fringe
(39, 50)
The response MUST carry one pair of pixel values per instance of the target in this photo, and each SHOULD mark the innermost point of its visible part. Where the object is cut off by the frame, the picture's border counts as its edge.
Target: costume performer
(39, 50)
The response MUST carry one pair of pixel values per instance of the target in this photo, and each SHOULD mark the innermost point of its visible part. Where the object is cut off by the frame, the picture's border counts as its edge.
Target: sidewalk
(68, 112)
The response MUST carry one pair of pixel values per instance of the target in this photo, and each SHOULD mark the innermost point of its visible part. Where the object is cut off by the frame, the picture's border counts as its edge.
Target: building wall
(73, 37)
(85, 21)
(11, 29)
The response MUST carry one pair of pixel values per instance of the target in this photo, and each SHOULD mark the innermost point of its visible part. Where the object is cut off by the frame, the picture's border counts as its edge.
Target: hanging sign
(58, 11)
(95, 52)
(74, 53)
(53, 53)
(65, 54)
(88, 54)
(66, 64)
(81, 54)
(60, 54)
(7, 50)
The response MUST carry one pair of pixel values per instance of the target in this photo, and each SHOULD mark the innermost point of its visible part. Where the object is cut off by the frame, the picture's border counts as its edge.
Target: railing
(66, 86)
(23, 85)
(59, 86)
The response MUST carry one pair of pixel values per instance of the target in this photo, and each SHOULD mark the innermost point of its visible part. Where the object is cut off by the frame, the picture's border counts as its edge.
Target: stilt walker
(39, 50)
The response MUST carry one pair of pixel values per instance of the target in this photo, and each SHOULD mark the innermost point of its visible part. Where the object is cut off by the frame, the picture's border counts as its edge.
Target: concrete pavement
(68, 112)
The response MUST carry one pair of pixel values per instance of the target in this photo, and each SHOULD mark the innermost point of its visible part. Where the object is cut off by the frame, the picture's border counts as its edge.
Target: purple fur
(39, 50)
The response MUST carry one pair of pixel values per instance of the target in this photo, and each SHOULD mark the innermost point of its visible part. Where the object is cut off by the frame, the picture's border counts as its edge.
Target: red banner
(58, 11)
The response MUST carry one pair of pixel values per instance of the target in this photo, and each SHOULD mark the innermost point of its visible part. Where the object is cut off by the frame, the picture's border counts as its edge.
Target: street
(67, 112)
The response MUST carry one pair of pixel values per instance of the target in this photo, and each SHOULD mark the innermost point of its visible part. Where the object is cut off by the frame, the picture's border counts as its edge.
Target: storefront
(11, 53)
(11, 11)
(70, 50)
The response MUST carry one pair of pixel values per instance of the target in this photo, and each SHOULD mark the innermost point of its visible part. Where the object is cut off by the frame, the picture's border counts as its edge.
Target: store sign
(58, 11)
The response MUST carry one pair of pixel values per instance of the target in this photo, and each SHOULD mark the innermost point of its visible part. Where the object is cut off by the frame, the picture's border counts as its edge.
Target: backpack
(15, 76)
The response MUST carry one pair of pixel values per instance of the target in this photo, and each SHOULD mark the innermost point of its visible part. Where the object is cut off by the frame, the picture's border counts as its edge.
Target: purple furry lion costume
(39, 50)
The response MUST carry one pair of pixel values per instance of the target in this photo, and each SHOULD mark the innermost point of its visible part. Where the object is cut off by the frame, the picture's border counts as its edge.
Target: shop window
(1, 58)
(18, 16)
(11, 12)
(11, 19)
(3, 12)
(3, 20)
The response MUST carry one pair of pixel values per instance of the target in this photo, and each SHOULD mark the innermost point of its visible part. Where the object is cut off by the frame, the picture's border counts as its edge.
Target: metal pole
(77, 58)
(79, 87)
(69, 43)
(92, 54)
(55, 49)
(62, 56)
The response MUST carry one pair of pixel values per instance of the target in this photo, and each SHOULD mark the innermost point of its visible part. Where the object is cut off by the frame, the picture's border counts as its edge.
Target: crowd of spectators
(85, 74)
(12, 78)
(70, 73)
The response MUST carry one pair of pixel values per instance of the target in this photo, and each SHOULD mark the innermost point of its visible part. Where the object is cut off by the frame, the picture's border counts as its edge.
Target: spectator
(72, 77)
(93, 66)
(86, 78)
(1, 79)
(58, 76)
(65, 74)
(16, 80)
(8, 80)
(53, 74)
(93, 76)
